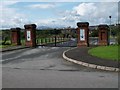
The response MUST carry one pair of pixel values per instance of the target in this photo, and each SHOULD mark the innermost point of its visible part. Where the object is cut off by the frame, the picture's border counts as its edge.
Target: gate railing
(93, 41)
(51, 40)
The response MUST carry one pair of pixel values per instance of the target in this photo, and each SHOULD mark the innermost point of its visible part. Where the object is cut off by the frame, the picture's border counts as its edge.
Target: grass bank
(6, 46)
(106, 52)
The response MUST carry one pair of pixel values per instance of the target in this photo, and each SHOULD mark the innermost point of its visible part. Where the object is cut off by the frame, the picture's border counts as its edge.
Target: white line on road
(9, 59)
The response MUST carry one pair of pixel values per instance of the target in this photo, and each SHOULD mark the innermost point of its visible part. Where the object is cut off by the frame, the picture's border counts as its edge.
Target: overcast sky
(61, 13)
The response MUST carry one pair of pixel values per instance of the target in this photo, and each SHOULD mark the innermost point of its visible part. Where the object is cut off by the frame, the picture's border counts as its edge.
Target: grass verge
(106, 52)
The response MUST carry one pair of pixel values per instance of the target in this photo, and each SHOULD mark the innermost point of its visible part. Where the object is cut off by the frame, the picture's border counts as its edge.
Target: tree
(118, 33)
(114, 31)
(94, 33)
(5, 36)
(118, 38)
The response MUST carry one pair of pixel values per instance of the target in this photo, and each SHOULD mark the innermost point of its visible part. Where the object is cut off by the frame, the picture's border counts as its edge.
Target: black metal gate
(57, 37)
(93, 41)
(93, 37)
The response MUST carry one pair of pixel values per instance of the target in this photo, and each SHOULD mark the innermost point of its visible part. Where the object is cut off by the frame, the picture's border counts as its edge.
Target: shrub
(118, 38)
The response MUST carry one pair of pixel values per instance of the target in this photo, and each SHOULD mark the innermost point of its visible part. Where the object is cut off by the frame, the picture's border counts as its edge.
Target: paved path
(45, 68)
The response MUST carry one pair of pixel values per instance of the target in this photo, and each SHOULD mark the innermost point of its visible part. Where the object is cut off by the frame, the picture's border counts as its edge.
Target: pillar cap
(27, 26)
(79, 24)
(15, 29)
(103, 26)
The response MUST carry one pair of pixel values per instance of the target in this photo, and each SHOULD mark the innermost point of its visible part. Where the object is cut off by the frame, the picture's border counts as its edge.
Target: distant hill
(43, 27)
(49, 28)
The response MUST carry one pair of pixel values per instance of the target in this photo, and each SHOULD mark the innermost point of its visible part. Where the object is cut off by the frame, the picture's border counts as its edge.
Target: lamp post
(110, 24)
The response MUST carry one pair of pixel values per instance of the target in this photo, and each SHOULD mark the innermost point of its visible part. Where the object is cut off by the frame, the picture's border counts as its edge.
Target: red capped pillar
(83, 34)
(103, 38)
(30, 35)
(15, 36)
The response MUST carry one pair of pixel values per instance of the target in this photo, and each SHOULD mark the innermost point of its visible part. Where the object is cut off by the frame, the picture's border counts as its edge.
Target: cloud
(52, 22)
(65, 0)
(94, 13)
(42, 6)
(85, 8)
(9, 16)
(8, 2)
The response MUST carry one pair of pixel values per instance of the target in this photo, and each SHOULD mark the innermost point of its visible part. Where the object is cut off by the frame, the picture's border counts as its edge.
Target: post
(83, 34)
(30, 35)
(15, 36)
(55, 37)
(110, 24)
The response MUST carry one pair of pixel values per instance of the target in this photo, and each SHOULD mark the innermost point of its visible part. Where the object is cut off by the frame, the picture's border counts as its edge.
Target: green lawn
(6, 46)
(106, 52)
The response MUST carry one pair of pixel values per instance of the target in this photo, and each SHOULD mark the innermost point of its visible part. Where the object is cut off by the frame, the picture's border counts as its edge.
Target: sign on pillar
(15, 36)
(30, 35)
(103, 38)
(83, 34)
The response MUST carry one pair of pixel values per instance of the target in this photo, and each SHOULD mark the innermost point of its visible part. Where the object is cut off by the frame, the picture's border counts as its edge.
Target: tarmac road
(44, 67)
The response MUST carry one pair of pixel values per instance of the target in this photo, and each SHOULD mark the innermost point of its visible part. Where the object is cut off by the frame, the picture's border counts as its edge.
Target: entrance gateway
(81, 36)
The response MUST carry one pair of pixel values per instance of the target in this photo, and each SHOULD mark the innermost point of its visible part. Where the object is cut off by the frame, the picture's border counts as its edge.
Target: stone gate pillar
(83, 34)
(15, 36)
(103, 38)
(30, 35)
